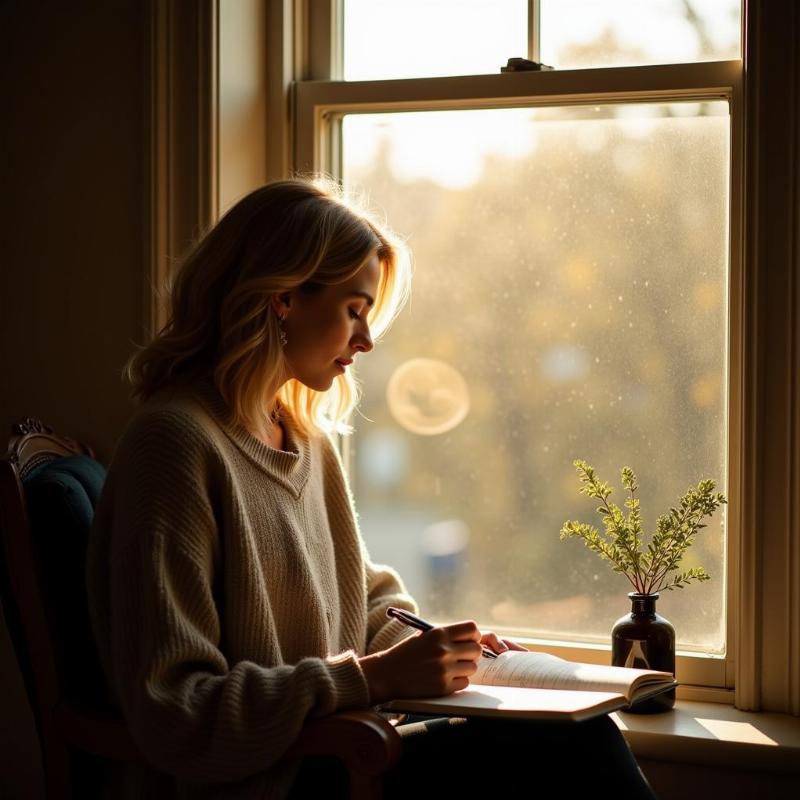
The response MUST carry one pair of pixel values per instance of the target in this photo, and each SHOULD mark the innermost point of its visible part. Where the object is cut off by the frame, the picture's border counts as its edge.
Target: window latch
(524, 65)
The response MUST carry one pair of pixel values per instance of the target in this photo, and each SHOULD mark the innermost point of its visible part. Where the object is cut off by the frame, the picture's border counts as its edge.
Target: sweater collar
(290, 467)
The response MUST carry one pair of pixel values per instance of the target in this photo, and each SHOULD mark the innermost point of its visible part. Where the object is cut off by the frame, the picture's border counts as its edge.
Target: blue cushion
(61, 495)
(75, 482)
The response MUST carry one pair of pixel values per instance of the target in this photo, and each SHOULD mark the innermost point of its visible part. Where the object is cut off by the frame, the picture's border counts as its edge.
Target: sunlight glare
(447, 147)
(427, 396)
(730, 731)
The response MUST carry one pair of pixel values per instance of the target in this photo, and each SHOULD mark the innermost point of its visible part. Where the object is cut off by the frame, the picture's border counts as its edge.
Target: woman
(231, 593)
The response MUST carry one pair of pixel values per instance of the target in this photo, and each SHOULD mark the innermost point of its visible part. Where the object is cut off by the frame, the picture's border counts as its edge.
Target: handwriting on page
(544, 671)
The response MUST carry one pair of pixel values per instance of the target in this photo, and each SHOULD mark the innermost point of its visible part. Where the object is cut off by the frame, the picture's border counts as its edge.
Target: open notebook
(539, 685)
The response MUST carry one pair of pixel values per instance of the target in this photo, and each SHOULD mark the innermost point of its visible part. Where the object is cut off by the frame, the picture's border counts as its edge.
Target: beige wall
(242, 99)
(71, 291)
(71, 279)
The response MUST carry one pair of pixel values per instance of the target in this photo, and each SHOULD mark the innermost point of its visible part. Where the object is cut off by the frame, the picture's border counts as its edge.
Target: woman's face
(329, 327)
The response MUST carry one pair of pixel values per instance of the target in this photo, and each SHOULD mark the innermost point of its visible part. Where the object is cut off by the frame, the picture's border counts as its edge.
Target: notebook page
(544, 671)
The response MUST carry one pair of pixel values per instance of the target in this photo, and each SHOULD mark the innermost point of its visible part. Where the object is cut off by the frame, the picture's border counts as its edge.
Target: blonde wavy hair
(304, 233)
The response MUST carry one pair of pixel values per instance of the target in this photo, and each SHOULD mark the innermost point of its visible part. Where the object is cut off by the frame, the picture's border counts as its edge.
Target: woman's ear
(281, 302)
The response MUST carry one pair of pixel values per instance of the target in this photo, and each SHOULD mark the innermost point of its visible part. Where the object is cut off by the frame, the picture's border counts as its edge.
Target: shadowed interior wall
(71, 290)
(72, 285)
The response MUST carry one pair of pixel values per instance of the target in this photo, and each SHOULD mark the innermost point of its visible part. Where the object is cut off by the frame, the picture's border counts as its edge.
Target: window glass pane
(423, 38)
(586, 33)
(569, 301)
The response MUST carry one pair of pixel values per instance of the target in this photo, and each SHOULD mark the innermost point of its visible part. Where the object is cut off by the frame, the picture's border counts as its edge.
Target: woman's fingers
(468, 631)
(463, 631)
(467, 651)
(493, 641)
(429, 664)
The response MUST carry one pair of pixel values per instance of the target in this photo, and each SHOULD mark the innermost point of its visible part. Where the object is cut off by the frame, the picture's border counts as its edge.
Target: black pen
(413, 621)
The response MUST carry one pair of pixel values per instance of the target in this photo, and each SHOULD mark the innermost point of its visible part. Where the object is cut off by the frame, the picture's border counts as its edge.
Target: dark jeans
(446, 754)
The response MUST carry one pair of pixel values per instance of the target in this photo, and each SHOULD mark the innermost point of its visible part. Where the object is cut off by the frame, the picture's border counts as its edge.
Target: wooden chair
(43, 596)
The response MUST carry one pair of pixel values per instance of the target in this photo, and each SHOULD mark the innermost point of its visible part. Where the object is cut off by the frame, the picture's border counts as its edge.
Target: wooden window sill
(714, 734)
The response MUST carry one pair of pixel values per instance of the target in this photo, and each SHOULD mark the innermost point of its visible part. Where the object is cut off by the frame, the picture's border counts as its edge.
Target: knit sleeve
(192, 713)
(385, 588)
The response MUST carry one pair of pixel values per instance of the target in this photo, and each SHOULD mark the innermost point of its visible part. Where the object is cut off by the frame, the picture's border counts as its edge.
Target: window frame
(319, 106)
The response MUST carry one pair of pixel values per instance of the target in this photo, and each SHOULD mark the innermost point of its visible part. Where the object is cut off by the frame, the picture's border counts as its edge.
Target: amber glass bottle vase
(645, 640)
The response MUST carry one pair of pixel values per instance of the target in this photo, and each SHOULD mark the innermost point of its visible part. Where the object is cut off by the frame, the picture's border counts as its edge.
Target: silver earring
(282, 333)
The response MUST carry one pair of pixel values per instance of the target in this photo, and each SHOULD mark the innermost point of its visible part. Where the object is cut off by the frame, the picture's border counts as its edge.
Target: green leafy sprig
(649, 571)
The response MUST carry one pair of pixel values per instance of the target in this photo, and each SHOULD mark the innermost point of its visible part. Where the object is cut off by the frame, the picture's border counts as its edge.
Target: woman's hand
(498, 645)
(431, 664)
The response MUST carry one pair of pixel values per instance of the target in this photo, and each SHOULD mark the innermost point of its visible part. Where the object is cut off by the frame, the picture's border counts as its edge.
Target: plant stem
(659, 576)
(654, 567)
(631, 553)
(630, 580)
(637, 544)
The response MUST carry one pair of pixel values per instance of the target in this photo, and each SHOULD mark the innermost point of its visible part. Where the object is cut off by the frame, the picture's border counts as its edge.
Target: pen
(413, 621)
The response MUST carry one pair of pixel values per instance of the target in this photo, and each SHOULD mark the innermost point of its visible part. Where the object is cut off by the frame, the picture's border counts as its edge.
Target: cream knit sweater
(231, 595)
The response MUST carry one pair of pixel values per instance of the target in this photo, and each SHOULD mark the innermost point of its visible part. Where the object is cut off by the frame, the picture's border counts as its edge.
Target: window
(576, 237)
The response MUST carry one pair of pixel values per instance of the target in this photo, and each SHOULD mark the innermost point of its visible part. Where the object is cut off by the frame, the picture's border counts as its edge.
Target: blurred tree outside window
(570, 300)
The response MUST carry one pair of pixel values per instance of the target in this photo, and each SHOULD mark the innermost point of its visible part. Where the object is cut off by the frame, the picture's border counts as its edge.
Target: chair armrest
(363, 740)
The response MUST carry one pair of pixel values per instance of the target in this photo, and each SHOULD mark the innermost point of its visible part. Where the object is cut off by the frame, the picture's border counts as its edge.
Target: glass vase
(645, 640)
